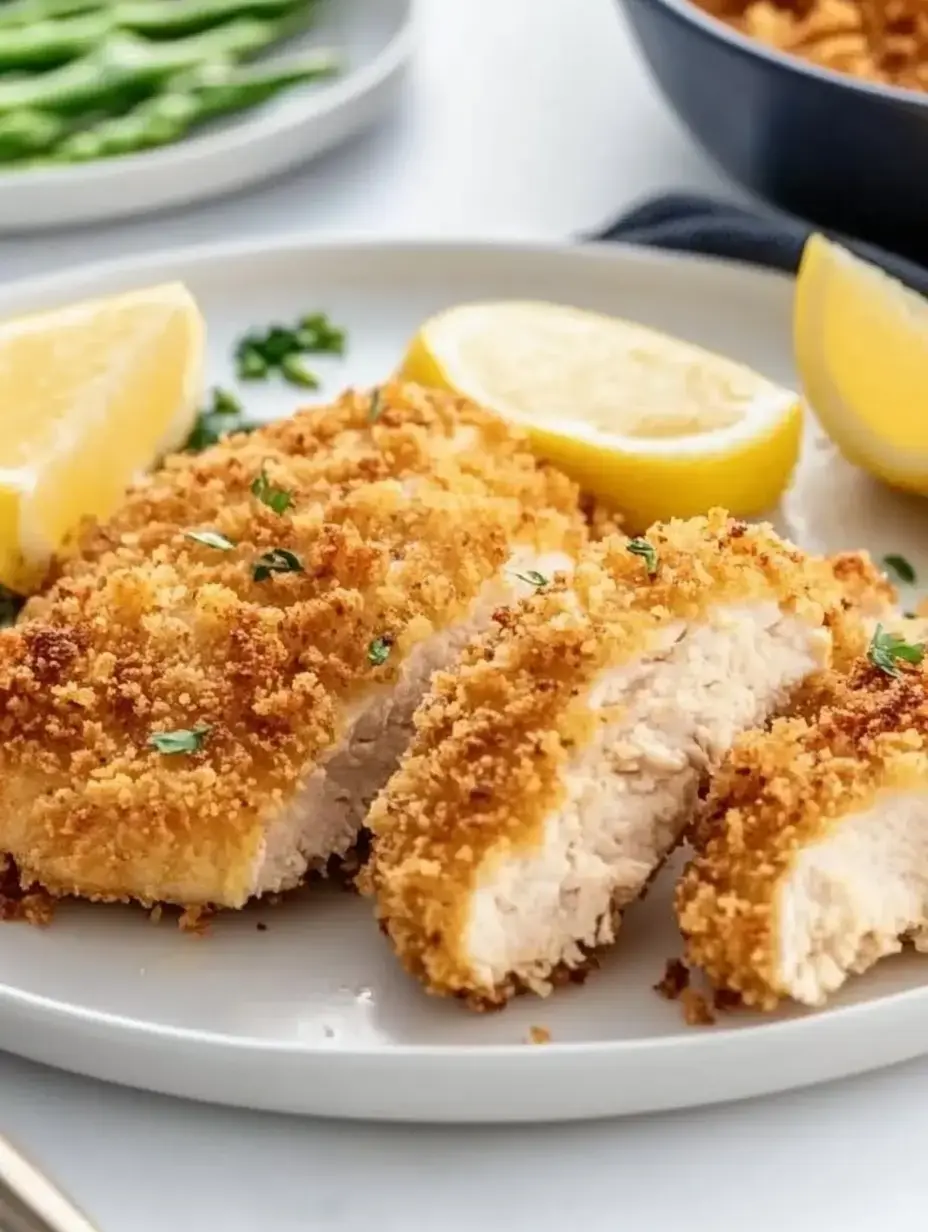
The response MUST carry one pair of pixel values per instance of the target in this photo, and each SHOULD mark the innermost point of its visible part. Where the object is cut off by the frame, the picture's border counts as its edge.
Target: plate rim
(309, 240)
(126, 1034)
(180, 1037)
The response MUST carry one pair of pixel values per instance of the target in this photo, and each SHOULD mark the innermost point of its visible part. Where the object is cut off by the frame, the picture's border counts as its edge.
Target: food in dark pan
(874, 40)
(833, 130)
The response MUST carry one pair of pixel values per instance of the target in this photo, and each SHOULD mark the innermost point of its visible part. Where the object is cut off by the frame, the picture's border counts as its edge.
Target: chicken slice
(301, 641)
(812, 856)
(556, 768)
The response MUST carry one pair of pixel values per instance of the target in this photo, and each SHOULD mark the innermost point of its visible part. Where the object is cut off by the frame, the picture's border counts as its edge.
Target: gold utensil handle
(29, 1202)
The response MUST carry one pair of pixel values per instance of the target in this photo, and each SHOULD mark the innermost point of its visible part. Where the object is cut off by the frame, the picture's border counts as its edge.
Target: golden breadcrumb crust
(493, 736)
(870, 598)
(397, 524)
(778, 792)
(865, 586)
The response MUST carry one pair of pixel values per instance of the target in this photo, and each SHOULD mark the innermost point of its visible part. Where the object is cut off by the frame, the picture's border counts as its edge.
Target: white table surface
(524, 118)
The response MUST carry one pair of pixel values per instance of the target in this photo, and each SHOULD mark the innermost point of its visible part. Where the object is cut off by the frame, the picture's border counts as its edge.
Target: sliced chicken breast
(200, 718)
(554, 770)
(812, 856)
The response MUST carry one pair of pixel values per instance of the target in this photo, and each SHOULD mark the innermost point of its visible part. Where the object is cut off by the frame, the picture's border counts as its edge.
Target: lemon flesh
(861, 341)
(656, 426)
(92, 395)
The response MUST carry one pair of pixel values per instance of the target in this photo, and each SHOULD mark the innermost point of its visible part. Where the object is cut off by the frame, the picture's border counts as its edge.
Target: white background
(528, 118)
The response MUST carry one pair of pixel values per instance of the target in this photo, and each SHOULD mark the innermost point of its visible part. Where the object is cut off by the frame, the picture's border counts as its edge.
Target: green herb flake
(10, 606)
(225, 402)
(333, 342)
(185, 740)
(887, 649)
(278, 560)
(317, 335)
(532, 578)
(375, 407)
(278, 343)
(293, 369)
(278, 499)
(211, 427)
(901, 568)
(222, 417)
(641, 547)
(205, 432)
(251, 365)
(379, 650)
(210, 539)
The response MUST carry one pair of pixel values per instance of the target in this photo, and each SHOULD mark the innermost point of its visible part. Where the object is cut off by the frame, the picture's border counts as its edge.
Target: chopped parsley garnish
(379, 650)
(279, 348)
(373, 411)
(225, 403)
(901, 568)
(317, 335)
(277, 344)
(532, 577)
(210, 539)
(886, 649)
(293, 369)
(257, 355)
(222, 416)
(185, 740)
(278, 499)
(278, 560)
(641, 547)
(250, 364)
(10, 605)
(205, 432)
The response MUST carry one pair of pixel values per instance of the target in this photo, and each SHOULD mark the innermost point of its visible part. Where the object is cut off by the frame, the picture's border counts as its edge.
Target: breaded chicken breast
(556, 767)
(203, 702)
(812, 856)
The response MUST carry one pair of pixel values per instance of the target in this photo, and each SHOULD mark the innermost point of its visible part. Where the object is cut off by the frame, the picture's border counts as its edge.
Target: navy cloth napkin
(691, 223)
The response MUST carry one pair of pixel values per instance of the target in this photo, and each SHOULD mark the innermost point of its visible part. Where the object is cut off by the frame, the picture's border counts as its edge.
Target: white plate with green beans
(302, 1007)
(110, 108)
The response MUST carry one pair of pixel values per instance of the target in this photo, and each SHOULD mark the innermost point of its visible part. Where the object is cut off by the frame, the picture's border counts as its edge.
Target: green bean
(125, 70)
(46, 44)
(25, 12)
(24, 134)
(153, 19)
(247, 89)
(156, 122)
(171, 115)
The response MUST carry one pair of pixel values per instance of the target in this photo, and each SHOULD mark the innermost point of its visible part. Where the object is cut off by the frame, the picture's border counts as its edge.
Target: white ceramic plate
(312, 1014)
(374, 37)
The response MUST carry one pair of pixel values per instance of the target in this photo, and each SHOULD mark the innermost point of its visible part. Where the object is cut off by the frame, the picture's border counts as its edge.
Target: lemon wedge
(861, 342)
(656, 426)
(92, 395)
